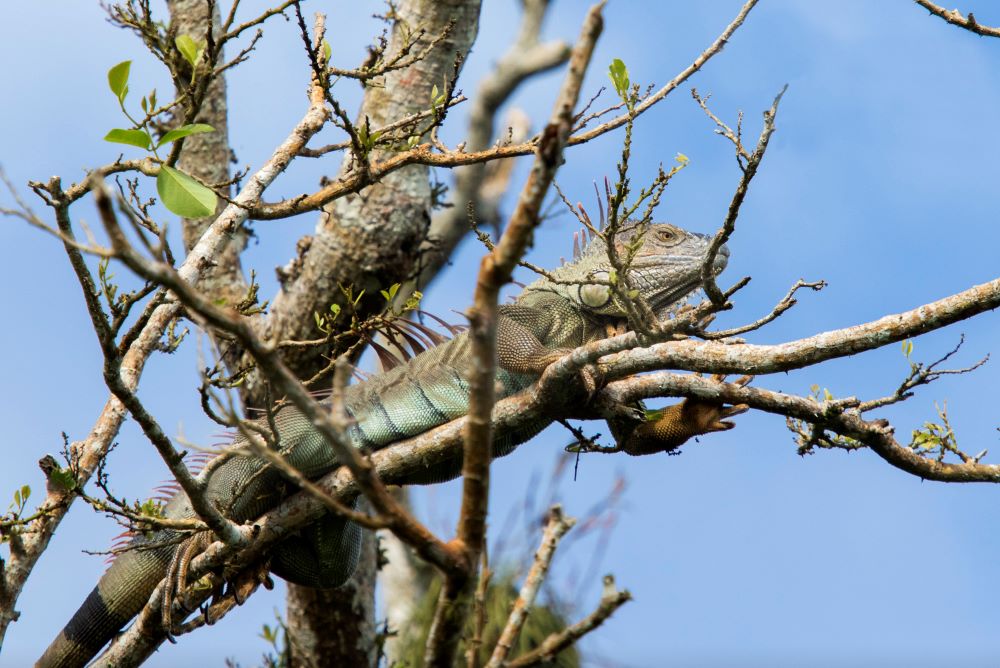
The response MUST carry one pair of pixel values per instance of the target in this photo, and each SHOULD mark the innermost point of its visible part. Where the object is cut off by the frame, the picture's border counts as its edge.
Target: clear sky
(881, 179)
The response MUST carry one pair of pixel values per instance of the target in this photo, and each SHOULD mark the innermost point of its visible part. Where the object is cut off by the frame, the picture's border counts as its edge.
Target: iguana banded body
(552, 316)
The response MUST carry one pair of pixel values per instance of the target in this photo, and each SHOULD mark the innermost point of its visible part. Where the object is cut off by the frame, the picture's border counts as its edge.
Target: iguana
(571, 306)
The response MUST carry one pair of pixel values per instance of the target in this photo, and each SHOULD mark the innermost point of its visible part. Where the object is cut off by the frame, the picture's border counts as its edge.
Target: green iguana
(551, 317)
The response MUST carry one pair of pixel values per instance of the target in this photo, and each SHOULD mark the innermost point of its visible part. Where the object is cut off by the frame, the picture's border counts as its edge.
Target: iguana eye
(666, 234)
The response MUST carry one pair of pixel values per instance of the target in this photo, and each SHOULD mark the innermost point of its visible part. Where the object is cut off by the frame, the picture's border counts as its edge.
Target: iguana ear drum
(593, 295)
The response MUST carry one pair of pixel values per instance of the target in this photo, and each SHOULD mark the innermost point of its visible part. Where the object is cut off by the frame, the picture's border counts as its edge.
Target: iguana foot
(668, 428)
(176, 578)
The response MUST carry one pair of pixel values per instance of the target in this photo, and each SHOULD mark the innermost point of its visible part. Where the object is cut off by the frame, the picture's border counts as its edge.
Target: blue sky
(881, 179)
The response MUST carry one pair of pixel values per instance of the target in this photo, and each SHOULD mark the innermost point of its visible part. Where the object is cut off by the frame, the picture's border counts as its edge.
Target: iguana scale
(551, 317)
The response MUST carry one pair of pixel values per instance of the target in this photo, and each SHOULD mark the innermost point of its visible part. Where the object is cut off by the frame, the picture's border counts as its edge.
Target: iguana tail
(118, 597)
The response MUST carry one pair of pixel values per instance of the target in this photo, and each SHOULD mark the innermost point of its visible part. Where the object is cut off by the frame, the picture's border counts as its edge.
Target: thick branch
(715, 357)
(876, 434)
(525, 58)
(369, 242)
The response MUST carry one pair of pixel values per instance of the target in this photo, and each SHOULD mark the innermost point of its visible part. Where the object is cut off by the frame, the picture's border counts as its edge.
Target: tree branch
(495, 271)
(956, 18)
(557, 526)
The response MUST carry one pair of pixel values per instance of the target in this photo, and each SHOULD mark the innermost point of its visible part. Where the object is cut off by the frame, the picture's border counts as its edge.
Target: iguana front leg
(668, 428)
(520, 348)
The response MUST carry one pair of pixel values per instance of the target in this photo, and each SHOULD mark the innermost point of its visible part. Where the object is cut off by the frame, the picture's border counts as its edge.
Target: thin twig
(708, 270)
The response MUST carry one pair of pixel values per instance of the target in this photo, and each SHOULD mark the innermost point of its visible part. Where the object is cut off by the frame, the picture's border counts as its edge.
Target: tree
(710, 357)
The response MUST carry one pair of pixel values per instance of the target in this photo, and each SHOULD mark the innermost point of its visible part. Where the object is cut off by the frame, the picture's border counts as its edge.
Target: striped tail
(117, 598)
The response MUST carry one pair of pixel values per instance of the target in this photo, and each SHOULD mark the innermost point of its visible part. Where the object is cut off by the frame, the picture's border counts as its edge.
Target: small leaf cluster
(278, 654)
(412, 302)
(180, 192)
(21, 495)
(819, 394)
(438, 99)
(936, 437)
(367, 138)
(62, 478)
(325, 323)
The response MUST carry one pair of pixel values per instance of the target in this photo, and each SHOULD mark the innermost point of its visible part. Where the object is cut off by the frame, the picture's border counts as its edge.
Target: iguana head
(666, 268)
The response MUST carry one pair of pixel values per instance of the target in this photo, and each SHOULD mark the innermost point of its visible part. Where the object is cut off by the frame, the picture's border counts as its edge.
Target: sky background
(881, 179)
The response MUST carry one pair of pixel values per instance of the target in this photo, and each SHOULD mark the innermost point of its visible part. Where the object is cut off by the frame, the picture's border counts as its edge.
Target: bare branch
(555, 529)
(495, 271)
(787, 302)
(423, 155)
(729, 224)
(672, 85)
(956, 18)
(921, 374)
(834, 416)
(735, 137)
(611, 600)
(715, 357)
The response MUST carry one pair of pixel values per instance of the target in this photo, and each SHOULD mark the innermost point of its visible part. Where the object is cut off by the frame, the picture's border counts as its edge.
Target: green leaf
(327, 51)
(138, 138)
(63, 478)
(391, 292)
(184, 131)
(618, 74)
(188, 48)
(21, 495)
(183, 195)
(118, 79)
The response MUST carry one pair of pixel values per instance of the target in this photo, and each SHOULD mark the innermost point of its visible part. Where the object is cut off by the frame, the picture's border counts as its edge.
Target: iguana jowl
(550, 317)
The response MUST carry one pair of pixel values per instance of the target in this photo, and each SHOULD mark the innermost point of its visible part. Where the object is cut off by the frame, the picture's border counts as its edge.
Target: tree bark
(207, 157)
(369, 241)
